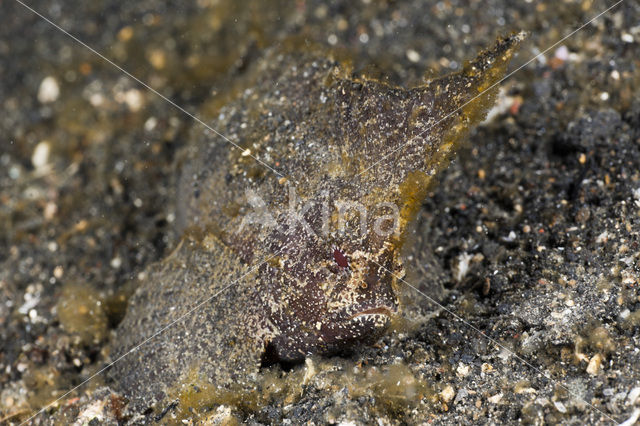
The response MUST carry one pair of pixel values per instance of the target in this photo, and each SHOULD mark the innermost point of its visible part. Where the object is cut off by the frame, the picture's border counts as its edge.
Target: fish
(292, 241)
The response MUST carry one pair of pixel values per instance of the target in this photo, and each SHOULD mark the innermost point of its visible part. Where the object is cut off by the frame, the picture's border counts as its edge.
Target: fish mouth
(382, 311)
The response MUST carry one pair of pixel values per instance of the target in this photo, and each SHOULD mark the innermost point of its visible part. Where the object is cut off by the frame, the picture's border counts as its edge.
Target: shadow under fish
(275, 266)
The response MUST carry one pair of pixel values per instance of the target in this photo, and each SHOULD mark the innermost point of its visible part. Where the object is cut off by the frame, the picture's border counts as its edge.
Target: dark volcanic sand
(543, 205)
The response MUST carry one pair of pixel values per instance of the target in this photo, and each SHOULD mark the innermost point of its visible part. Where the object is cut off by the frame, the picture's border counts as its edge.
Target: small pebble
(495, 398)
(50, 210)
(48, 90)
(463, 370)
(150, 124)
(157, 59)
(40, 156)
(116, 262)
(413, 56)
(447, 393)
(58, 271)
(560, 407)
(582, 158)
(594, 364)
(562, 53)
(125, 34)
(134, 100)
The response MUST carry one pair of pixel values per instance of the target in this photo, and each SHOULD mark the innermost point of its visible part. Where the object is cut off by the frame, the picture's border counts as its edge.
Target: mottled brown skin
(291, 293)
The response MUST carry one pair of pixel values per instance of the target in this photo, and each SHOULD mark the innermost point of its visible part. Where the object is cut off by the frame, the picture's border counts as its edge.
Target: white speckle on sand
(562, 53)
(40, 156)
(134, 100)
(463, 266)
(49, 90)
(627, 38)
(413, 56)
(560, 406)
(495, 398)
(116, 262)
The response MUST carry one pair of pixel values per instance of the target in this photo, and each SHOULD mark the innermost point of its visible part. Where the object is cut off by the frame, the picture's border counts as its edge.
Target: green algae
(392, 389)
(81, 312)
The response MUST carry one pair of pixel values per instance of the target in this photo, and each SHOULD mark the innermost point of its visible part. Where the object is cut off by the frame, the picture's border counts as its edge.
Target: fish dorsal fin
(389, 132)
(395, 140)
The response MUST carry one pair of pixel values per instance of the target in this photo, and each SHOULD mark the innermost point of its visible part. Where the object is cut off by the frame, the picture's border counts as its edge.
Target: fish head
(328, 291)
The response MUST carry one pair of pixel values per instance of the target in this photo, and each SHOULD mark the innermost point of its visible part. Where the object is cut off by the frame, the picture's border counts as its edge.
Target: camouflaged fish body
(287, 286)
